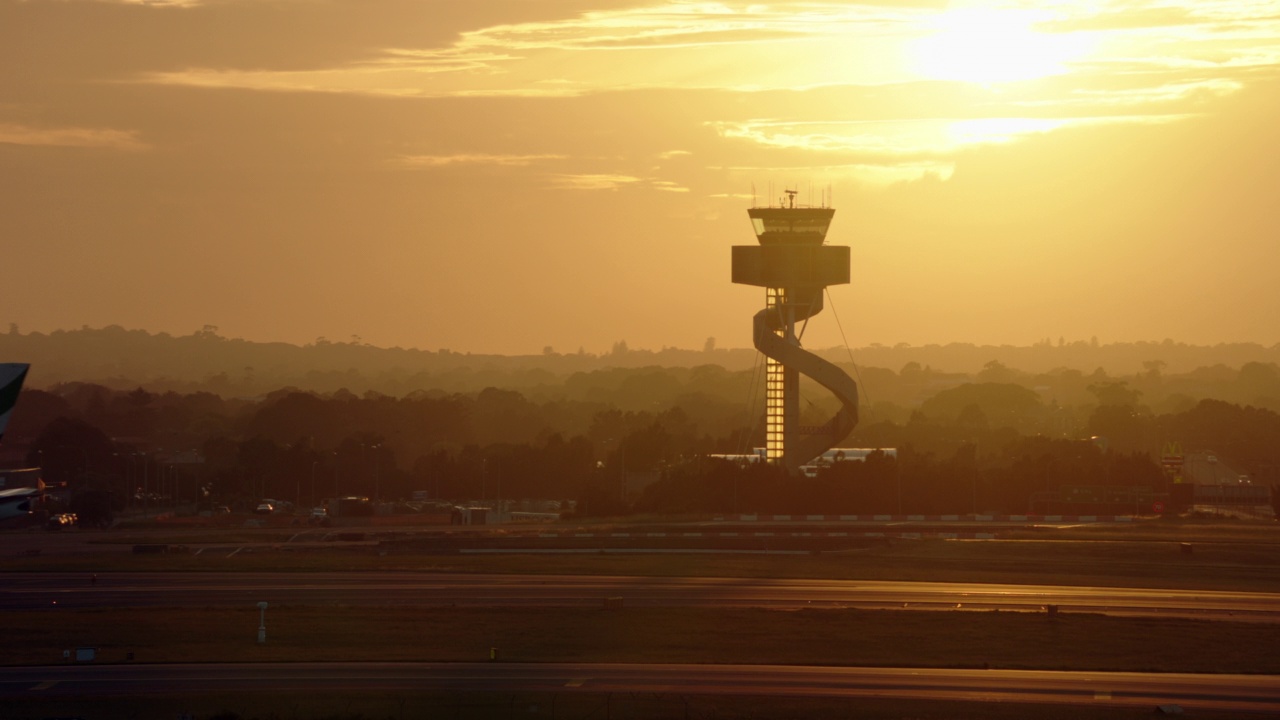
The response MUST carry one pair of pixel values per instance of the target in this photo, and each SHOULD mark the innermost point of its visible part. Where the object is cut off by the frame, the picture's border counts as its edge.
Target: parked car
(264, 509)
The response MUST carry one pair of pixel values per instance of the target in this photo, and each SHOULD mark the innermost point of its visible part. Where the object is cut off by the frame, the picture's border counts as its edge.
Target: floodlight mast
(794, 266)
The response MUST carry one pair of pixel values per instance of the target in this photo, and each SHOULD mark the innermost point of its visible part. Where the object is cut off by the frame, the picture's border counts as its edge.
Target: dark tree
(92, 507)
(69, 450)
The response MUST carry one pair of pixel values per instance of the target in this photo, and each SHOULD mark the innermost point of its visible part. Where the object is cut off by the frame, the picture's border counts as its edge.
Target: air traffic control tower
(794, 265)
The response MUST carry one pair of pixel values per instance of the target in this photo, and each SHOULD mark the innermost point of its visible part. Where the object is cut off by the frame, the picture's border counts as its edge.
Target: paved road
(1251, 693)
(178, 589)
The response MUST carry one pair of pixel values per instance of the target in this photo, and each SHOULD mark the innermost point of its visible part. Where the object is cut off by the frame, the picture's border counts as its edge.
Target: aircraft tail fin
(11, 377)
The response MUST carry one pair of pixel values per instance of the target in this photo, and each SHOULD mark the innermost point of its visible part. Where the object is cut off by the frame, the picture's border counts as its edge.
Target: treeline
(123, 359)
(302, 446)
(982, 443)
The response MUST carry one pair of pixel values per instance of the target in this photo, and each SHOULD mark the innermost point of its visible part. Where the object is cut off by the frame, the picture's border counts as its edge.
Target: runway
(1243, 693)
(30, 591)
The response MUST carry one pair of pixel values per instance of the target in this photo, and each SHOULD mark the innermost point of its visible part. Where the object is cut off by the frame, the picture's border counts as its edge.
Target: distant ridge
(123, 359)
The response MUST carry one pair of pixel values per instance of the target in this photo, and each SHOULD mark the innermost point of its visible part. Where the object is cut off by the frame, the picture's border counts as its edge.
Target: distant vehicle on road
(61, 521)
(265, 508)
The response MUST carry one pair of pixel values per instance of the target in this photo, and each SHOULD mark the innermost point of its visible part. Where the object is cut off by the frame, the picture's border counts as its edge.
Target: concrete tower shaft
(794, 265)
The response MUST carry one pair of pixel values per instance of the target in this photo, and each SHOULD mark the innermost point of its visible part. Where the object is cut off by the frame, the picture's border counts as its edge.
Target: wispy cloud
(1113, 61)
(865, 173)
(881, 175)
(668, 186)
(155, 3)
(1158, 15)
(593, 181)
(791, 45)
(685, 24)
(14, 134)
(433, 161)
(610, 181)
(1146, 95)
(665, 44)
(1122, 18)
(907, 139)
(320, 81)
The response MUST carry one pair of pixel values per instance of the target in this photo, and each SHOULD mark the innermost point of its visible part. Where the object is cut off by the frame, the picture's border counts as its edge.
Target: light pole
(313, 481)
(146, 485)
(262, 623)
(977, 463)
(377, 480)
(360, 470)
(897, 480)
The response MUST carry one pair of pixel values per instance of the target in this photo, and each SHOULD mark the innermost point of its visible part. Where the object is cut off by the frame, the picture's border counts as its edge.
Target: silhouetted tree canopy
(989, 440)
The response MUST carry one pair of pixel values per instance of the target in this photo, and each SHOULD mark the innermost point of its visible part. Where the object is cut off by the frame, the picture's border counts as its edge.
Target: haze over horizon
(504, 176)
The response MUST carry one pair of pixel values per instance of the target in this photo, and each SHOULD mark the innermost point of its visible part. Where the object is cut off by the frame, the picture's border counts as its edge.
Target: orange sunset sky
(505, 175)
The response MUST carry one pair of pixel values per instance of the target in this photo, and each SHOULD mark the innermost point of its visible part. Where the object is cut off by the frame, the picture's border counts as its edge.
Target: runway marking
(575, 683)
(45, 685)
(1102, 695)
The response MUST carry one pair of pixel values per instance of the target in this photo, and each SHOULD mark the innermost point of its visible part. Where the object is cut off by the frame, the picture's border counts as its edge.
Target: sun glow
(985, 45)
